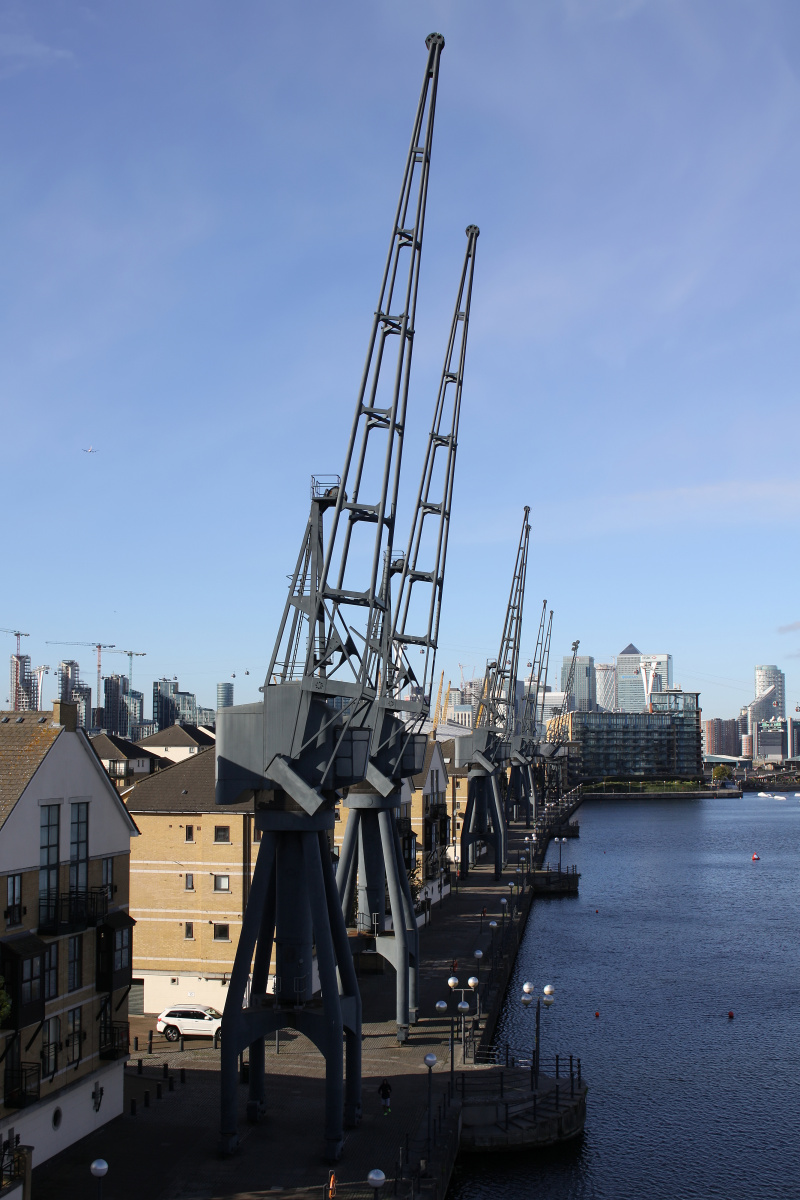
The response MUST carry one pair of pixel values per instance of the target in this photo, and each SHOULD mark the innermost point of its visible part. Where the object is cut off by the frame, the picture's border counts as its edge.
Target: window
(75, 962)
(51, 971)
(222, 883)
(221, 933)
(188, 930)
(190, 833)
(122, 949)
(51, 1034)
(79, 847)
(48, 849)
(189, 882)
(74, 1035)
(108, 877)
(222, 833)
(31, 988)
(14, 910)
(257, 834)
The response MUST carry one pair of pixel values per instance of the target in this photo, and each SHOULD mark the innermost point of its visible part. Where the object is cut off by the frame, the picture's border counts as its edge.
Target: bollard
(133, 1106)
(534, 1107)
(165, 1070)
(172, 1083)
(147, 1099)
(149, 1041)
(136, 1043)
(501, 1085)
(579, 1072)
(181, 1043)
(556, 1095)
(556, 1066)
(506, 1116)
(571, 1084)
(570, 1064)
(506, 1053)
(183, 1074)
(138, 1066)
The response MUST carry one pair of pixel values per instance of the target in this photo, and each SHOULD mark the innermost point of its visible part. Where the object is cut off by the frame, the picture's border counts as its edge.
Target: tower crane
(489, 746)
(17, 633)
(99, 647)
(329, 718)
(437, 712)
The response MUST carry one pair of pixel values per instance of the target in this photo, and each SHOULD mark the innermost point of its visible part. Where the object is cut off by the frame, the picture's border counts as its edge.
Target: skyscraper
(24, 694)
(766, 676)
(584, 685)
(164, 702)
(224, 695)
(606, 686)
(630, 683)
(69, 676)
(115, 710)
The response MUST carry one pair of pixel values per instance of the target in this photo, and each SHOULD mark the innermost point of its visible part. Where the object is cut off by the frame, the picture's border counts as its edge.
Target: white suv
(189, 1020)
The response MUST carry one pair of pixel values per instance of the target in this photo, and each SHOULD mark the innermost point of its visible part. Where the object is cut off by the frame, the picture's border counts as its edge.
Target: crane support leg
(371, 875)
(532, 803)
(500, 831)
(483, 821)
(412, 929)
(398, 924)
(348, 989)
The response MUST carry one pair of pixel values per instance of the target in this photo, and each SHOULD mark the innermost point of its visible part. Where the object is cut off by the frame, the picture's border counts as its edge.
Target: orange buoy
(597, 1014)
(597, 910)
(730, 1016)
(756, 858)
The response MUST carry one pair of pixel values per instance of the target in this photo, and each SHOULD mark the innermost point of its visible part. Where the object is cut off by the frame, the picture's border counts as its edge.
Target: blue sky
(195, 203)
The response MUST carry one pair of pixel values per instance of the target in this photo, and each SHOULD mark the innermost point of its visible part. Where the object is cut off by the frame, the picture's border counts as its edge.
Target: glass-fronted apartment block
(664, 743)
(767, 677)
(584, 687)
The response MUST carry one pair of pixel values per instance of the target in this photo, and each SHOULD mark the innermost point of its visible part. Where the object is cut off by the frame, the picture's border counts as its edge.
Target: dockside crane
(330, 716)
(557, 734)
(488, 748)
(521, 783)
(371, 850)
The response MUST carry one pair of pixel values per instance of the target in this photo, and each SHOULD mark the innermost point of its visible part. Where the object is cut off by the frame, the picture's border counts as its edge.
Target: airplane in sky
(91, 450)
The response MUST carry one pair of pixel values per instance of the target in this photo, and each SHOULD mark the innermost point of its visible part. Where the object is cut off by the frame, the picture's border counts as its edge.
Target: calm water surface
(683, 1102)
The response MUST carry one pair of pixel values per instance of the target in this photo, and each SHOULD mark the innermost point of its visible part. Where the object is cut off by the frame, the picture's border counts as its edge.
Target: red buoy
(597, 910)
(730, 1016)
(597, 1014)
(756, 858)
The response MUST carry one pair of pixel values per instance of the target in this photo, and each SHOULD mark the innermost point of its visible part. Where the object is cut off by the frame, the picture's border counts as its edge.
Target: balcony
(72, 912)
(404, 826)
(114, 1040)
(437, 812)
(22, 1085)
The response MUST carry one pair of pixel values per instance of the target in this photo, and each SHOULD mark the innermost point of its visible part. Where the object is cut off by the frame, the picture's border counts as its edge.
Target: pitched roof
(108, 745)
(177, 735)
(418, 781)
(185, 787)
(630, 649)
(25, 739)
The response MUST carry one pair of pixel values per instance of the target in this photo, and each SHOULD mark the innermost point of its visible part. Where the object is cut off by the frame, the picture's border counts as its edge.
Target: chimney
(66, 714)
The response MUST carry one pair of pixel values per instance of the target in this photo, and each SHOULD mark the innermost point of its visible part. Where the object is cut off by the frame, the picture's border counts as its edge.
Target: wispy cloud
(22, 51)
(792, 628)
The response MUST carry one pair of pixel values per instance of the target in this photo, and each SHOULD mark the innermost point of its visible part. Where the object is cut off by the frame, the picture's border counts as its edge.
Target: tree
(5, 1001)
(722, 772)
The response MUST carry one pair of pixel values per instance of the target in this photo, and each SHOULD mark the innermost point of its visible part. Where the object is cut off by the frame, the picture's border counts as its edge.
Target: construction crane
(521, 783)
(437, 709)
(371, 851)
(489, 746)
(15, 699)
(131, 655)
(99, 647)
(329, 715)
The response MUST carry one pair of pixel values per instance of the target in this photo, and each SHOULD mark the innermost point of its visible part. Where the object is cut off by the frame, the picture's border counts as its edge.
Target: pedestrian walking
(385, 1093)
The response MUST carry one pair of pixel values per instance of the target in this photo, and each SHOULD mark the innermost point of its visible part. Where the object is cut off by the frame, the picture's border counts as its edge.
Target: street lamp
(99, 1169)
(376, 1179)
(561, 842)
(441, 1008)
(430, 1063)
(503, 906)
(474, 983)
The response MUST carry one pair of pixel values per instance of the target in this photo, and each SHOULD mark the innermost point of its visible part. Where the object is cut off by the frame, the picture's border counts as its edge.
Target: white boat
(765, 795)
(777, 797)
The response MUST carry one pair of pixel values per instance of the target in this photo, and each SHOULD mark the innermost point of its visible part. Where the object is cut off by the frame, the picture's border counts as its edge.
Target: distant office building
(605, 675)
(24, 694)
(206, 716)
(663, 744)
(164, 709)
(224, 695)
(770, 676)
(630, 678)
(186, 707)
(770, 740)
(722, 737)
(584, 686)
(792, 737)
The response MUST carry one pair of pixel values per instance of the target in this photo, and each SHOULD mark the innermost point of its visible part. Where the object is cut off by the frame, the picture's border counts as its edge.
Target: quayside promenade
(483, 1096)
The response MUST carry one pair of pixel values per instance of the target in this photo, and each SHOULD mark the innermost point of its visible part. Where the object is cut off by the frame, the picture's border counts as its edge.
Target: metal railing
(114, 1039)
(22, 1085)
(65, 912)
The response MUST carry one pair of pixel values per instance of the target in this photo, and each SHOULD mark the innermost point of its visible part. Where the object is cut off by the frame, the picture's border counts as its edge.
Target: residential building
(606, 686)
(66, 935)
(178, 741)
(164, 712)
(584, 684)
(81, 697)
(115, 710)
(124, 761)
(134, 704)
(190, 878)
(664, 743)
(762, 708)
(722, 737)
(186, 708)
(424, 805)
(224, 695)
(771, 676)
(142, 730)
(771, 741)
(69, 677)
(206, 716)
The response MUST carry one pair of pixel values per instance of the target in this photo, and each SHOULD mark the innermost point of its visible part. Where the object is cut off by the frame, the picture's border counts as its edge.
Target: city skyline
(161, 318)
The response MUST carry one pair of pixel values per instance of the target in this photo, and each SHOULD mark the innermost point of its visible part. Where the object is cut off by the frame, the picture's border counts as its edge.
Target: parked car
(189, 1020)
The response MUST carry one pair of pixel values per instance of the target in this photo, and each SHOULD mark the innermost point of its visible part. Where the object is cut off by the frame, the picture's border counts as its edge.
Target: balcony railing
(437, 812)
(22, 1085)
(114, 1040)
(404, 826)
(70, 912)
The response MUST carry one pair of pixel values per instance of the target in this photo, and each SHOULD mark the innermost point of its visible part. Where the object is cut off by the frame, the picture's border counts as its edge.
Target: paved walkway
(168, 1151)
